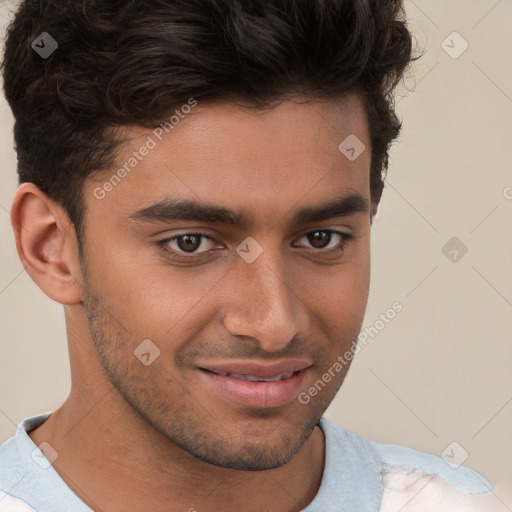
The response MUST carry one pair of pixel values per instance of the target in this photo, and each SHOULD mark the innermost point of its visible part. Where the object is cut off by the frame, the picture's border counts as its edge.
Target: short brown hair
(122, 63)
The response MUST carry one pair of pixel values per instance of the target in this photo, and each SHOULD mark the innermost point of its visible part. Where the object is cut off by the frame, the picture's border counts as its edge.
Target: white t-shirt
(359, 476)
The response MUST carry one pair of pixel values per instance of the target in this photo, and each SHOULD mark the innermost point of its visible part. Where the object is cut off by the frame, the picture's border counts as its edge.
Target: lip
(265, 370)
(254, 394)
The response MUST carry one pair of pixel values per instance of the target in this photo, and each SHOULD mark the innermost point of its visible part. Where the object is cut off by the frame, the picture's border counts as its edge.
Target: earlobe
(373, 211)
(46, 244)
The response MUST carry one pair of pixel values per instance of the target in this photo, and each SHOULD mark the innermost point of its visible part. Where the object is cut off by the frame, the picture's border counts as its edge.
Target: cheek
(151, 299)
(340, 292)
(337, 305)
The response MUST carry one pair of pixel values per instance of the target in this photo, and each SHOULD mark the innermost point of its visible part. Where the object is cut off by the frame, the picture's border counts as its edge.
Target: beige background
(441, 370)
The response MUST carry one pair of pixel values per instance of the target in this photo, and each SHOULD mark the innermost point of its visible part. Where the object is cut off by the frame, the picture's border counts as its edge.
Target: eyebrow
(170, 209)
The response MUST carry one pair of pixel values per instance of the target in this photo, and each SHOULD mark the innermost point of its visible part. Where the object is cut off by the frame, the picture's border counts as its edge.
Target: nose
(261, 302)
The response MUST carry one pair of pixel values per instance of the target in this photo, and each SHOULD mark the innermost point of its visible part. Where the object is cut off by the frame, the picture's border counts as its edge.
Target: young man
(198, 182)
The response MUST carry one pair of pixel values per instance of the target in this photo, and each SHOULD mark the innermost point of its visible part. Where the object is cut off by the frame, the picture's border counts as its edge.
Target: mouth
(254, 390)
(253, 378)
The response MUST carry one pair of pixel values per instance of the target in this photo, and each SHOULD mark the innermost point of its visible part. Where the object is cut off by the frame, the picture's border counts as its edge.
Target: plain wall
(440, 371)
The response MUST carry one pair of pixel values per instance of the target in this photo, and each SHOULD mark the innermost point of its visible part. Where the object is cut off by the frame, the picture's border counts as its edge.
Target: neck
(113, 460)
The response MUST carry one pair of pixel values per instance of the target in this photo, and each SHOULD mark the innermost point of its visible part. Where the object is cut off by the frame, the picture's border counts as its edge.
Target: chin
(254, 458)
(244, 449)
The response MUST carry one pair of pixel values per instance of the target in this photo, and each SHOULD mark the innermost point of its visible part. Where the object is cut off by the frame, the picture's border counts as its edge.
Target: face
(234, 251)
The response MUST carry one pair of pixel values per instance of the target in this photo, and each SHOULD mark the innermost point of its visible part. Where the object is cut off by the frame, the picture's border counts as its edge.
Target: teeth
(251, 378)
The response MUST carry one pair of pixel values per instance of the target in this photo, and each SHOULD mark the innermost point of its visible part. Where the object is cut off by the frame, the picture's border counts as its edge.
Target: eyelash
(346, 238)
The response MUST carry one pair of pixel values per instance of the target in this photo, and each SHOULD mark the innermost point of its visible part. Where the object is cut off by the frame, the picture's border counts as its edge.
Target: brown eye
(186, 245)
(189, 243)
(319, 239)
(322, 239)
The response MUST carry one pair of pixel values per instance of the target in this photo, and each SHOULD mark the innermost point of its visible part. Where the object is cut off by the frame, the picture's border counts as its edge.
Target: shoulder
(9, 503)
(398, 459)
(413, 490)
(16, 460)
(410, 479)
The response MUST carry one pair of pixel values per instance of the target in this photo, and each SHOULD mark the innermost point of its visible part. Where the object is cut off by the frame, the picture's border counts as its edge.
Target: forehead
(223, 154)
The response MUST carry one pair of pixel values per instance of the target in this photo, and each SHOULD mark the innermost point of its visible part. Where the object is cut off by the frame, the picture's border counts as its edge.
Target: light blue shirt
(351, 481)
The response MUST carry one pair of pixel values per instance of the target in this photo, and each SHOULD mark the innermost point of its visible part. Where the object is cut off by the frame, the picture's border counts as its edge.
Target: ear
(47, 245)
(373, 211)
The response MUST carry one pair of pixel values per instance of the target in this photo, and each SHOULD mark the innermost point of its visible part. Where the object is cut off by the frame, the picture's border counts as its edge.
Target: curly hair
(129, 63)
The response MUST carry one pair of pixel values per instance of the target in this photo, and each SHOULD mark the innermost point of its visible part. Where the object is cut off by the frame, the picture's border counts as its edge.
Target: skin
(135, 437)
